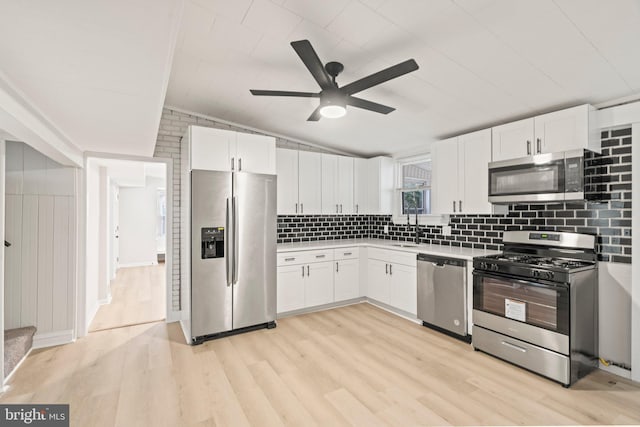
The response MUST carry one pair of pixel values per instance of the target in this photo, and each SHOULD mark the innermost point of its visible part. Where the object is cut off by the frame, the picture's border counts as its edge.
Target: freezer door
(254, 289)
(211, 290)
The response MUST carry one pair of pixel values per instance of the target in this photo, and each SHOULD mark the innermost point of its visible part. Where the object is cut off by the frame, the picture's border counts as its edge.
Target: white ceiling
(98, 70)
(482, 62)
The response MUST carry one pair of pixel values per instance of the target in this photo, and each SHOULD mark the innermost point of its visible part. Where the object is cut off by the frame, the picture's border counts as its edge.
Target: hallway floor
(138, 296)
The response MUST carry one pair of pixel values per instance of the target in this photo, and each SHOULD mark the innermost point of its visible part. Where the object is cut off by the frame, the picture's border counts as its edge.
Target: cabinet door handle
(303, 271)
(301, 207)
(539, 145)
(336, 208)
(454, 206)
(386, 269)
(460, 206)
(320, 256)
(391, 269)
(347, 253)
(528, 148)
(233, 163)
(340, 207)
(239, 164)
(336, 267)
(307, 270)
(296, 208)
(357, 208)
(289, 259)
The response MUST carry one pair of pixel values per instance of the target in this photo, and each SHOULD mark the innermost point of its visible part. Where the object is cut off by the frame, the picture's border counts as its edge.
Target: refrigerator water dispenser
(212, 242)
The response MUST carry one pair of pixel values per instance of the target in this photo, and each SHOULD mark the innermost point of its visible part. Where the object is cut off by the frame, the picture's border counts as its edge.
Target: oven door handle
(539, 283)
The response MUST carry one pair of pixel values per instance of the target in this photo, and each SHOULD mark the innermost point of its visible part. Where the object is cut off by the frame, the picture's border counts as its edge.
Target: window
(416, 188)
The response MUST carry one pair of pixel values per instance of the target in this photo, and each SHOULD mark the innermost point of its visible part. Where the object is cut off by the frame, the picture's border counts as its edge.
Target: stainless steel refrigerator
(233, 253)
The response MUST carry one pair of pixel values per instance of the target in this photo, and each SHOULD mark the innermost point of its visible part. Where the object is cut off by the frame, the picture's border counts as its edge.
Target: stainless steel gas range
(536, 304)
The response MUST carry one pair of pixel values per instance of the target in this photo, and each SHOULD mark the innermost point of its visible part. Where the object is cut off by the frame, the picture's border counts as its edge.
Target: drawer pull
(289, 259)
(515, 347)
(347, 253)
(320, 256)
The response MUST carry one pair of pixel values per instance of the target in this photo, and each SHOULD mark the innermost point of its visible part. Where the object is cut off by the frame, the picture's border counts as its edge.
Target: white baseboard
(106, 300)
(616, 370)
(50, 339)
(137, 264)
(15, 368)
(173, 316)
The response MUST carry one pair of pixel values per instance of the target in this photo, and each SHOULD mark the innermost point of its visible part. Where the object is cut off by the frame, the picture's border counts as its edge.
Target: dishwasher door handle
(435, 264)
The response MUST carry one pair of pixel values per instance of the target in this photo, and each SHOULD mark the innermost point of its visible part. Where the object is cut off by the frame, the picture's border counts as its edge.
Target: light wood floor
(138, 295)
(355, 365)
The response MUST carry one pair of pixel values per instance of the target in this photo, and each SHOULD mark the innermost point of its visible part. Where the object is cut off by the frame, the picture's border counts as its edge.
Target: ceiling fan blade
(315, 116)
(380, 77)
(259, 92)
(310, 58)
(368, 105)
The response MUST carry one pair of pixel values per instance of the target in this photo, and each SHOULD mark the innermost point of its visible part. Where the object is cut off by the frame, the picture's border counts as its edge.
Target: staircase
(17, 343)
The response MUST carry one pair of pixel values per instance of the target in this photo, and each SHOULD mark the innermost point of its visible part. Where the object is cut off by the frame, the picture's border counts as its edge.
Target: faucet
(418, 232)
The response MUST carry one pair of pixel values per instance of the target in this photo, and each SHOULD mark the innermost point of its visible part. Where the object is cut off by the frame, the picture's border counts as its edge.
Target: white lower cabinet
(290, 288)
(393, 280)
(346, 276)
(318, 284)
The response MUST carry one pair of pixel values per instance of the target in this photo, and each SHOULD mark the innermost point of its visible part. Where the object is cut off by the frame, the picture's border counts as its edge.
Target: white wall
(40, 266)
(138, 224)
(93, 241)
(614, 312)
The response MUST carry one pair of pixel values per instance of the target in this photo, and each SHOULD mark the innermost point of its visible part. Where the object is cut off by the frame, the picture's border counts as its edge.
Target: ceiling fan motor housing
(333, 69)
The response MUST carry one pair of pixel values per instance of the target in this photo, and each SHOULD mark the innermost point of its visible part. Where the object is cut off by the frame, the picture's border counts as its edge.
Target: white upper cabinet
(444, 180)
(513, 140)
(474, 155)
(255, 153)
(360, 196)
(460, 180)
(309, 182)
(345, 185)
(380, 186)
(224, 150)
(330, 182)
(287, 171)
(570, 129)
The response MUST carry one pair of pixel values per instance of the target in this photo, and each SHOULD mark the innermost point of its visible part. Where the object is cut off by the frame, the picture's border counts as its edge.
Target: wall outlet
(386, 229)
(446, 230)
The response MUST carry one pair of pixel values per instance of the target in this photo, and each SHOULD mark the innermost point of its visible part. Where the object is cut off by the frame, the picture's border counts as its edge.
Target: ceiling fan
(334, 99)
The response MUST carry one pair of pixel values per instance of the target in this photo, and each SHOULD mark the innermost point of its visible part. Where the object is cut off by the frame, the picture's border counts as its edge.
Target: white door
(562, 130)
(444, 160)
(346, 279)
(287, 172)
(360, 186)
(114, 230)
(290, 294)
(378, 283)
(474, 156)
(318, 284)
(344, 185)
(256, 153)
(310, 182)
(403, 292)
(513, 140)
(212, 149)
(329, 184)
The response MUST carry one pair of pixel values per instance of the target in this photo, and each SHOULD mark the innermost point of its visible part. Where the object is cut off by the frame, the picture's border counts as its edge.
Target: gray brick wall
(173, 125)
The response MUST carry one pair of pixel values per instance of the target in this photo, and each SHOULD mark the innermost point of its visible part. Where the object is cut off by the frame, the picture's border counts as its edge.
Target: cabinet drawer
(346, 253)
(304, 257)
(393, 257)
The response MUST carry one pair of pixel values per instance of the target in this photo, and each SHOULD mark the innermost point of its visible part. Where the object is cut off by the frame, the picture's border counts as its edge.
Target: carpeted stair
(17, 343)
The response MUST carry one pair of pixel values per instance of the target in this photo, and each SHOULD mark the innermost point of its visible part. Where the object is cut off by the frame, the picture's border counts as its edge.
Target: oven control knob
(483, 265)
(549, 274)
(494, 267)
(535, 273)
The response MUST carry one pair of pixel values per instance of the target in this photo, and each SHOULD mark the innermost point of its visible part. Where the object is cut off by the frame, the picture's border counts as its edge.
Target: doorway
(127, 237)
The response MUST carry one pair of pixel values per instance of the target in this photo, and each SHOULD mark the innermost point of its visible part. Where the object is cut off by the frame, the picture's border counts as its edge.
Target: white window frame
(398, 217)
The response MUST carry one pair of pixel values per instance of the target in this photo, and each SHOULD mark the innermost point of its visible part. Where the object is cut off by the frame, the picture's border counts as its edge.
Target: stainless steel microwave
(541, 178)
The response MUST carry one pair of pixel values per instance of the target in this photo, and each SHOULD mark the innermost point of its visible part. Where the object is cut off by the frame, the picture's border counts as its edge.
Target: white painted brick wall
(173, 126)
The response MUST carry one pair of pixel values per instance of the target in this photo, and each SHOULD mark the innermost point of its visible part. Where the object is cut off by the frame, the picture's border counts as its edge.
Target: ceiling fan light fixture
(333, 111)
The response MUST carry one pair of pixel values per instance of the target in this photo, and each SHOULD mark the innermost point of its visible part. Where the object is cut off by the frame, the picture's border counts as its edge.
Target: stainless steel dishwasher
(442, 294)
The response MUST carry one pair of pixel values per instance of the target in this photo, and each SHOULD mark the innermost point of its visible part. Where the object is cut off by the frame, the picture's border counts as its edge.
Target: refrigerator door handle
(226, 246)
(234, 208)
